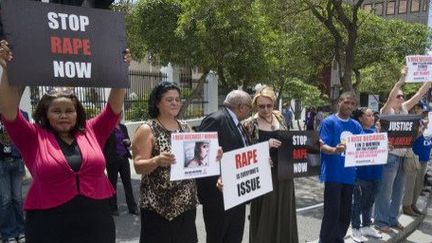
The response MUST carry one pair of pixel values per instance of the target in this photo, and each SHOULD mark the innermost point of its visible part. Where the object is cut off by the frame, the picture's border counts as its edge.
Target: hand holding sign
(5, 53)
(165, 159)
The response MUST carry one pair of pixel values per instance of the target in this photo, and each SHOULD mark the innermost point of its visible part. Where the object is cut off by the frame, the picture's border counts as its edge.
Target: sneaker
(369, 231)
(357, 236)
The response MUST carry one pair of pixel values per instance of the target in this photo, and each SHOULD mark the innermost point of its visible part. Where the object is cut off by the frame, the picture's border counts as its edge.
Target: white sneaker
(357, 236)
(369, 231)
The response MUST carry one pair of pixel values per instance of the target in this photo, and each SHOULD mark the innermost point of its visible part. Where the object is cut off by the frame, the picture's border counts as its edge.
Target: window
(379, 8)
(368, 7)
(391, 8)
(402, 6)
(425, 5)
(415, 6)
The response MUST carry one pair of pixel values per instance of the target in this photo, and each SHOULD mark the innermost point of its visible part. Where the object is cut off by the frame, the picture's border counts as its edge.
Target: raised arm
(386, 109)
(116, 96)
(417, 97)
(10, 96)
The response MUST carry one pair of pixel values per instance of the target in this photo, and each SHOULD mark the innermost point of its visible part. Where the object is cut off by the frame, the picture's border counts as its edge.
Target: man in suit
(116, 152)
(224, 226)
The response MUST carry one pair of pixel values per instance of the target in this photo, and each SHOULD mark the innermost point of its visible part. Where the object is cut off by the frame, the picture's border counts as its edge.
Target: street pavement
(309, 202)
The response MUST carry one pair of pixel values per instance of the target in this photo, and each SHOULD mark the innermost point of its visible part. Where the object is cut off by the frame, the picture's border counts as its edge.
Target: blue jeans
(390, 193)
(364, 197)
(11, 208)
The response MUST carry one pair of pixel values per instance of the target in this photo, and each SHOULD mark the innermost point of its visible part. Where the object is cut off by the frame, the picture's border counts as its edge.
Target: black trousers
(157, 229)
(114, 167)
(224, 226)
(337, 212)
(81, 220)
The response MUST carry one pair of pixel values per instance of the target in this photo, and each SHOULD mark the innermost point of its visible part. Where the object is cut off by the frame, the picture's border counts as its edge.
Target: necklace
(272, 126)
(176, 130)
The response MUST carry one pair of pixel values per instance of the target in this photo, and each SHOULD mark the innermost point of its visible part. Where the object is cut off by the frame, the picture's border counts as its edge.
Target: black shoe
(115, 213)
(134, 211)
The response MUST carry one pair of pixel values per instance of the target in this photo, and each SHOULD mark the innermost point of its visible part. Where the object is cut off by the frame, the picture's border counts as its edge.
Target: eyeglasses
(59, 92)
(263, 106)
(400, 96)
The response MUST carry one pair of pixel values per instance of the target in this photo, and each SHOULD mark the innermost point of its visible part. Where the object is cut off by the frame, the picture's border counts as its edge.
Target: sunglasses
(60, 92)
(262, 106)
(400, 96)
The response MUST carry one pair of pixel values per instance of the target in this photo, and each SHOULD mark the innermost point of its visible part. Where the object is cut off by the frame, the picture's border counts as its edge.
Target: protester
(310, 119)
(68, 198)
(116, 152)
(288, 115)
(338, 179)
(366, 186)
(389, 198)
(273, 215)
(168, 208)
(200, 158)
(11, 179)
(415, 174)
(221, 225)
(318, 118)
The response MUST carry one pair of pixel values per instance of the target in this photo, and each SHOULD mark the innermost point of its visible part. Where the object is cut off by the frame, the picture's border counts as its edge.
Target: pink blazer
(54, 182)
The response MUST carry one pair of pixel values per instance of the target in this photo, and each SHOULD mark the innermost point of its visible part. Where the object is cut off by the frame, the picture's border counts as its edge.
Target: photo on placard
(196, 153)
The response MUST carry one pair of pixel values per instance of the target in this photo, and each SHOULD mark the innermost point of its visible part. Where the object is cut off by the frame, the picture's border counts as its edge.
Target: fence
(137, 96)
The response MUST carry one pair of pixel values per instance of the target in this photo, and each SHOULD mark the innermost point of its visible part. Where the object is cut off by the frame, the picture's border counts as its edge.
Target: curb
(409, 222)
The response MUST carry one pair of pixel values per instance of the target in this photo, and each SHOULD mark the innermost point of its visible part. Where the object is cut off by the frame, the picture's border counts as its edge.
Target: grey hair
(236, 98)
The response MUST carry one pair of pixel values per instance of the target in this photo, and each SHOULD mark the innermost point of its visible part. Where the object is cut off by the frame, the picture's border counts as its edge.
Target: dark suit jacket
(110, 146)
(229, 139)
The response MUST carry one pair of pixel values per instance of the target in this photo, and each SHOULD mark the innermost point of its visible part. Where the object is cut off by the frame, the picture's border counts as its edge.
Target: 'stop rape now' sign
(61, 45)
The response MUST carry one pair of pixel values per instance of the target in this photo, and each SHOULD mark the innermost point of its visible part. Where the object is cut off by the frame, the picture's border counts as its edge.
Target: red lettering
(55, 44)
(299, 154)
(238, 161)
(255, 156)
(74, 46)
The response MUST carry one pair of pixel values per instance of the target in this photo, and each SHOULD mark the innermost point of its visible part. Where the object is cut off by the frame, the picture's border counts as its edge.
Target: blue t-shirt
(370, 172)
(422, 147)
(332, 165)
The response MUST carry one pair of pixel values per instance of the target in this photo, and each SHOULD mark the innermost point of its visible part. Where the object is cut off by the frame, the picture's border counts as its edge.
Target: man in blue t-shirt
(338, 179)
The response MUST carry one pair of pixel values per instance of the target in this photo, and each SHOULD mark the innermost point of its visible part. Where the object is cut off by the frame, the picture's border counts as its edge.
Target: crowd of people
(71, 199)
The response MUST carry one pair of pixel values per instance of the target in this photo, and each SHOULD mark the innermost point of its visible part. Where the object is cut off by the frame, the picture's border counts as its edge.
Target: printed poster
(366, 149)
(62, 45)
(419, 68)
(246, 174)
(401, 129)
(299, 154)
(195, 155)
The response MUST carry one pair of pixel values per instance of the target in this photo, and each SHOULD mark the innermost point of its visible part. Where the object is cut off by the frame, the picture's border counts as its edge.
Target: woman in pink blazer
(68, 198)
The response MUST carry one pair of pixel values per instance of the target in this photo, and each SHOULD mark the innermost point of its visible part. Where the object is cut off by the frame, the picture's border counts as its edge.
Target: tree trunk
(194, 93)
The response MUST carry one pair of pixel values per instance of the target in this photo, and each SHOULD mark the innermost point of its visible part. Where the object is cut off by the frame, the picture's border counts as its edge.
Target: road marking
(310, 207)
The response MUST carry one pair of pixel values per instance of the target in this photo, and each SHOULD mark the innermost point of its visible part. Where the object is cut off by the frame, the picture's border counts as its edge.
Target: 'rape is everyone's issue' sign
(61, 45)
(195, 155)
(419, 69)
(246, 174)
(366, 149)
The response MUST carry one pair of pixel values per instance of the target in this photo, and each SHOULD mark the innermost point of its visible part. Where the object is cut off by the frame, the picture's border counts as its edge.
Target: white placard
(195, 155)
(246, 174)
(366, 149)
(373, 102)
(428, 131)
(419, 69)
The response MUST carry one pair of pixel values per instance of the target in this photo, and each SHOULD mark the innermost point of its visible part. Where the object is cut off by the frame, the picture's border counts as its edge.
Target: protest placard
(419, 69)
(299, 154)
(366, 149)
(195, 155)
(61, 45)
(246, 174)
(401, 129)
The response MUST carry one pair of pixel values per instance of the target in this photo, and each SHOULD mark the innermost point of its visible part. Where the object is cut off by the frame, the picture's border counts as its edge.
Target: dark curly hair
(40, 115)
(359, 112)
(156, 96)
